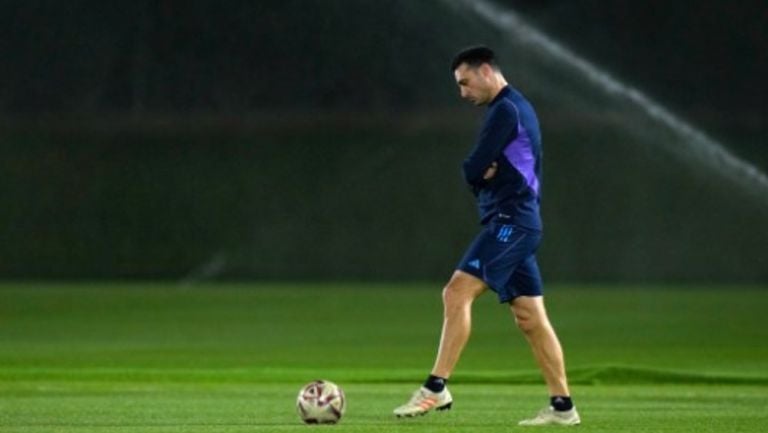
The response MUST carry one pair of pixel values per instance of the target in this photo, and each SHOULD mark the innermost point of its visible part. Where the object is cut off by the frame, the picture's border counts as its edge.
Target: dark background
(322, 139)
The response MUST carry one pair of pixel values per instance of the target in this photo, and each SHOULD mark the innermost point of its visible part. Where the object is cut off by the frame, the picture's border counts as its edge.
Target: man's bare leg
(458, 296)
(531, 317)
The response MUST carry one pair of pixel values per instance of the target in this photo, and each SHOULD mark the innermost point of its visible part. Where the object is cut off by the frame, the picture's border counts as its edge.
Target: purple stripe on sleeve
(519, 153)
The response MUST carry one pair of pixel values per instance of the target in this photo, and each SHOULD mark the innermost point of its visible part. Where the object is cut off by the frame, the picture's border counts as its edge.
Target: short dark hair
(474, 57)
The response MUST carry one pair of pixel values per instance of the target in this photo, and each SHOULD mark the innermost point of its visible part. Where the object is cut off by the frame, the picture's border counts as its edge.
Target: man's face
(474, 83)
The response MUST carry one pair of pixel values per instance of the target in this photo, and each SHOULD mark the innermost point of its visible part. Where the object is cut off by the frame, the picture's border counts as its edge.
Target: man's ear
(486, 70)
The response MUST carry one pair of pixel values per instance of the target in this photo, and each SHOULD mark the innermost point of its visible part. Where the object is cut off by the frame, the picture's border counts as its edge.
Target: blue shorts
(504, 257)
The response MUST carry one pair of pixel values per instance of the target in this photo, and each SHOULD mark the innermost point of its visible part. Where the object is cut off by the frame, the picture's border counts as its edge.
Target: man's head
(477, 74)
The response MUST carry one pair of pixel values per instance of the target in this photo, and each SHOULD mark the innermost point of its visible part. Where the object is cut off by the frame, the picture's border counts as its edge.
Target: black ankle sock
(561, 403)
(435, 383)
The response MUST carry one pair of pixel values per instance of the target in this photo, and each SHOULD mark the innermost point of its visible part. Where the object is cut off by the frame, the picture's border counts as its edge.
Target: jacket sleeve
(499, 129)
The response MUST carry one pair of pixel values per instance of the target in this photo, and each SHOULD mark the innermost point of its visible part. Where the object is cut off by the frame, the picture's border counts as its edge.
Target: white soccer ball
(321, 402)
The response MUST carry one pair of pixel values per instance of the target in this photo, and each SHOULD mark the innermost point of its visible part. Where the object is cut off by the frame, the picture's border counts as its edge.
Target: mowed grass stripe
(375, 332)
(270, 407)
(605, 375)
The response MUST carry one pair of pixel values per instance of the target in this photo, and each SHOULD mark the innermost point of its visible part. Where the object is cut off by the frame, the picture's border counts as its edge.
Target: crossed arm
(499, 129)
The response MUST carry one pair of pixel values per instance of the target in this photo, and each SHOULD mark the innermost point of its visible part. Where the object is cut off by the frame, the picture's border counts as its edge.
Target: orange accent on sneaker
(428, 403)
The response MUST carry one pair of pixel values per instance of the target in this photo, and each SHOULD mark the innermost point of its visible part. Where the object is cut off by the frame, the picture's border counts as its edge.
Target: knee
(460, 292)
(528, 322)
(456, 298)
(453, 297)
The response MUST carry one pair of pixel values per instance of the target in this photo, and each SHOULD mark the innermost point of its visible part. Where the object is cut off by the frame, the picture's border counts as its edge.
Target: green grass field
(231, 357)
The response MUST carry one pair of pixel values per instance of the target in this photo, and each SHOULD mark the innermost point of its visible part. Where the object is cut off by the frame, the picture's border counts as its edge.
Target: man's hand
(490, 172)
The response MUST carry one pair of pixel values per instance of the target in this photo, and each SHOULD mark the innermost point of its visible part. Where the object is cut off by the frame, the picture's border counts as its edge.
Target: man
(504, 172)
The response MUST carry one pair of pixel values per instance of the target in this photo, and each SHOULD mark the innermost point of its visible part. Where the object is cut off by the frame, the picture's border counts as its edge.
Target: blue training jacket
(510, 136)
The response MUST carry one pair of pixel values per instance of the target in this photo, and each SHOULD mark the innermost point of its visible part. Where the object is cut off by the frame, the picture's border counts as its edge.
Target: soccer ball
(320, 402)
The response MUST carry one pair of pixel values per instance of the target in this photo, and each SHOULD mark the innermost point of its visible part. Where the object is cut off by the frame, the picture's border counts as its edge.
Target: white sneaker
(423, 401)
(550, 416)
